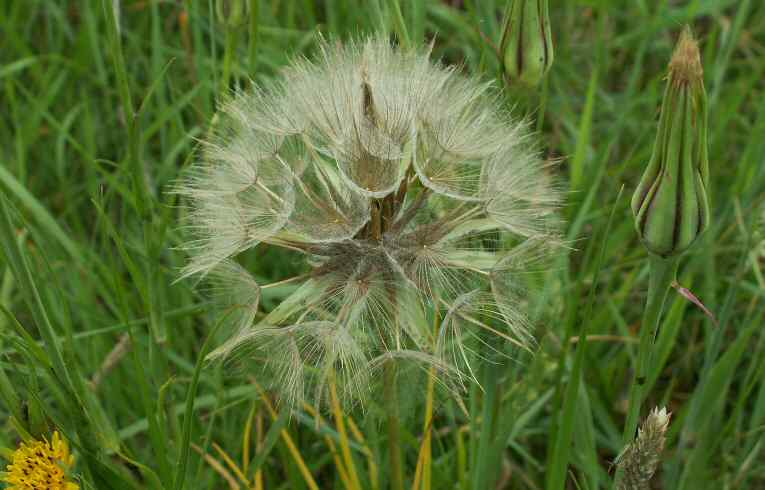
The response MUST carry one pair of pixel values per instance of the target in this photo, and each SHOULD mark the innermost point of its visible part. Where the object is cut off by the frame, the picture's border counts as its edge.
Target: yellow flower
(40, 465)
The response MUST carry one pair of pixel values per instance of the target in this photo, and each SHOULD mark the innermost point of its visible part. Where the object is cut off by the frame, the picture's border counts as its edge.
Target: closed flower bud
(526, 42)
(232, 13)
(670, 204)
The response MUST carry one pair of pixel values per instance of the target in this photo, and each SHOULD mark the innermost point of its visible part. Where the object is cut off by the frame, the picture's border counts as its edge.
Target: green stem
(228, 56)
(483, 473)
(253, 48)
(542, 105)
(401, 29)
(560, 454)
(188, 414)
(394, 431)
(661, 274)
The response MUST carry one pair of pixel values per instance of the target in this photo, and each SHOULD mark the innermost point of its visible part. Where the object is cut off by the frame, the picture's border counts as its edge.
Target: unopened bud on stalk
(232, 13)
(670, 204)
(526, 42)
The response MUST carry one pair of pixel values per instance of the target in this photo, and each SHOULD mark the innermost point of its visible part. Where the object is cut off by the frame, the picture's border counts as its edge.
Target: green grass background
(95, 125)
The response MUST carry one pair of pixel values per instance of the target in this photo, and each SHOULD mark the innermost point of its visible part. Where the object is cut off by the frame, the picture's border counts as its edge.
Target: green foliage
(99, 113)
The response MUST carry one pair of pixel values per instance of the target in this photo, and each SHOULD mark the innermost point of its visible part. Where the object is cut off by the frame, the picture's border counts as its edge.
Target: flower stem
(253, 47)
(394, 435)
(542, 108)
(423, 473)
(483, 473)
(228, 57)
(661, 274)
(400, 26)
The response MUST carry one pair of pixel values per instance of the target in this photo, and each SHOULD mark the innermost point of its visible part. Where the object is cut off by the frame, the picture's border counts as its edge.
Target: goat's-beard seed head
(404, 185)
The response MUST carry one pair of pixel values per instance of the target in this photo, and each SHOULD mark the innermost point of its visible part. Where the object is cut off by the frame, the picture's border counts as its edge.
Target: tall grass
(101, 110)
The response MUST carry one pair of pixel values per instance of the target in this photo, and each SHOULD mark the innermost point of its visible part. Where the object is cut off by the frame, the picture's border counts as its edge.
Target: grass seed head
(640, 459)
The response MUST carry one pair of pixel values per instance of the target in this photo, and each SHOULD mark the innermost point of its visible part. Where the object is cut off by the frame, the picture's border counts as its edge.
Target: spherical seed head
(405, 187)
(41, 465)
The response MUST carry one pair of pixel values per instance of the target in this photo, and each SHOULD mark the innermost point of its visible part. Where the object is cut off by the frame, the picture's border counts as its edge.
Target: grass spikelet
(639, 461)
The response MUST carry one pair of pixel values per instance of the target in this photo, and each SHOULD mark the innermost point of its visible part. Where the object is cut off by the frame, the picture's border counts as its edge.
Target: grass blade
(556, 470)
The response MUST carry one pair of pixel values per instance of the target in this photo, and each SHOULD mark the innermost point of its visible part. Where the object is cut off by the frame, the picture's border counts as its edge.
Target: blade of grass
(143, 198)
(579, 161)
(231, 464)
(390, 393)
(253, 45)
(291, 447)
(15, 259)
(373, 472)
(218, 467)
(482, 472)
(400, 24)
(423, 472)
(41, 215)
(347, 484)
(183, 458)
(558, 467)
(344, 445)
(246, 438)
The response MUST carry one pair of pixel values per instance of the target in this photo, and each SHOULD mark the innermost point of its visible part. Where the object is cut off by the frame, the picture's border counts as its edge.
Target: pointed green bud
(232, 13)
(670, 204)
(526, 42)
